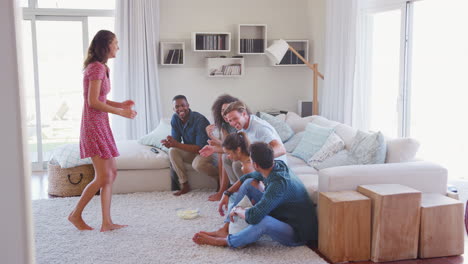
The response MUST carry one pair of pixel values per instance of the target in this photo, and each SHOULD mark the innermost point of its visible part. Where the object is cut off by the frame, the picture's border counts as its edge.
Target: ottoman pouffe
(69, 181)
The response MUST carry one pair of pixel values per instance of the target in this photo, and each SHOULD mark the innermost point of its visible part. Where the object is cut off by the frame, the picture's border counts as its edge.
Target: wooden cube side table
(344, 226)
(442, 228)
(395, 221)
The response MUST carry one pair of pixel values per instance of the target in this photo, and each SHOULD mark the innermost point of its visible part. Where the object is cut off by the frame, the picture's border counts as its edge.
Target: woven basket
(69, 182)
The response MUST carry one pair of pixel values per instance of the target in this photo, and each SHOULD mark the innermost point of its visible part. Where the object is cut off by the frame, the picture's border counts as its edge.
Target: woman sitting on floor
(283, 210)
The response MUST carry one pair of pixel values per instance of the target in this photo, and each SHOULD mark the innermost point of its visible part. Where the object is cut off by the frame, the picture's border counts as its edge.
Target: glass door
(381, 70)
(55, 103)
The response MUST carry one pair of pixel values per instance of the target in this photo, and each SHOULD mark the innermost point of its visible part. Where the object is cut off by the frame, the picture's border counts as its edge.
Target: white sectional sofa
(139, 169)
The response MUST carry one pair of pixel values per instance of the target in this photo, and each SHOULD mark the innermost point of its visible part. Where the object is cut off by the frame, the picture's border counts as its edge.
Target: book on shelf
(168, 59)
(252, 46)
(175, 58)
(181, 56)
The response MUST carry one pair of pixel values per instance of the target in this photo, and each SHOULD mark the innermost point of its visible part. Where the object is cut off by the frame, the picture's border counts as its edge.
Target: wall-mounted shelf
(225, 67)
(290, 59)
(172, 53)
(252, 39)
(211, 41)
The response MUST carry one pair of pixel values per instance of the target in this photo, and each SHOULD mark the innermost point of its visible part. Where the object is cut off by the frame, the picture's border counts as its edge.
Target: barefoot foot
(204, 239)
(185, 189)
(110, 227)
(215, 197)
(78, 222)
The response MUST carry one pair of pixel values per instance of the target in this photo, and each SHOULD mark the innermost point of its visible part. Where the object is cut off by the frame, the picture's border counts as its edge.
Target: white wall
(16, 244)
(262, 86)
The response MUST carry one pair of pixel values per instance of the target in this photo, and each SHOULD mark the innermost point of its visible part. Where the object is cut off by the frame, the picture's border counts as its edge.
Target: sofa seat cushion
(310, 182)
(135, 156)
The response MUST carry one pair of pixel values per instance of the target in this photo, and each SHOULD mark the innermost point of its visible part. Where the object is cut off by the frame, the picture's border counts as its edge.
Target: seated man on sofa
(256, 129)
(281, 207)
(188, 137)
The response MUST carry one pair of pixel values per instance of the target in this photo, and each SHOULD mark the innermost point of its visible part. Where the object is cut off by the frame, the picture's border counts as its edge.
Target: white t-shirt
(261, 130)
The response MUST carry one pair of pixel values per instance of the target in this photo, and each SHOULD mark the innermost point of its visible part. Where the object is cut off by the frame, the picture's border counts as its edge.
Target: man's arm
(278, 148)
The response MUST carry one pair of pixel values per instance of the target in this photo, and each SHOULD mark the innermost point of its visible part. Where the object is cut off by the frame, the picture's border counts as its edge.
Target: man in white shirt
(257, 130)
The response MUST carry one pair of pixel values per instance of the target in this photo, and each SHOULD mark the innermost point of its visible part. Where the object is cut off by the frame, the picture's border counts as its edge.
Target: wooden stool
(442, 229)
(395, 221)
(344, 226)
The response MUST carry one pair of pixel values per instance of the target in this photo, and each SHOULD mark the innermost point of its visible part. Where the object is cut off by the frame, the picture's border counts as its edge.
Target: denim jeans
(277, 230)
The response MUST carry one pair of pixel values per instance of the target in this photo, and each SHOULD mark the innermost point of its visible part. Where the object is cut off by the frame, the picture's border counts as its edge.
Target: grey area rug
(155, 233)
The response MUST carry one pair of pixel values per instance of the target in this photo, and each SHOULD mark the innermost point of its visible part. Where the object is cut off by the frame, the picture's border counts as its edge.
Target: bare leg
(185, 189)
(222, 232)
(204, 239)
(106, 197)
(88, 193)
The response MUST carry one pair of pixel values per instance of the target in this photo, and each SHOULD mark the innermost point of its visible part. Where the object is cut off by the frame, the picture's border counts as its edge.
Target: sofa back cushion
(314, 138)
(401, 150)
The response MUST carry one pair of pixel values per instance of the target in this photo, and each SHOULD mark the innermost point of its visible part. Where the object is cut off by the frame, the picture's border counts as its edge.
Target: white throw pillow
(401, 150)
(159, 133)
(68, 156)
(333, 144)
(239, 224)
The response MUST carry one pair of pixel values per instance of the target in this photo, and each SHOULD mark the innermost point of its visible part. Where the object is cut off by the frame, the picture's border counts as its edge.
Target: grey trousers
(233, 169)
(201, 164)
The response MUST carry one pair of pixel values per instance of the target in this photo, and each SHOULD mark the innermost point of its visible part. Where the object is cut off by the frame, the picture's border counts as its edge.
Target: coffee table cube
(395, 221)
(442, 228)
(344, 226)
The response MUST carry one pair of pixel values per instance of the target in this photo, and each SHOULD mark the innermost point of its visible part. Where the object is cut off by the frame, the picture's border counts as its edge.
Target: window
(55, 43)
(381, 59)
(412, 67)
(438, 86)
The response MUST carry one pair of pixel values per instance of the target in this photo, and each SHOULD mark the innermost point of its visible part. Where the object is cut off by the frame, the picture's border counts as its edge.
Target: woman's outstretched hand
(128, 104)
(128, 113)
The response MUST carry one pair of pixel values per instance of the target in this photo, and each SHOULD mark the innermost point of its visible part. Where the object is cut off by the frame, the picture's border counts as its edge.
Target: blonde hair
(235, 106)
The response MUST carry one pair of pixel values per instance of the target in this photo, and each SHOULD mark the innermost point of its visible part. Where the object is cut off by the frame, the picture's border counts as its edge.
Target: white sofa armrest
(424, 176)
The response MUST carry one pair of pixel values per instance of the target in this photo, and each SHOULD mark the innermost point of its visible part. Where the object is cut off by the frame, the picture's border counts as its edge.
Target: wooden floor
(39, 191)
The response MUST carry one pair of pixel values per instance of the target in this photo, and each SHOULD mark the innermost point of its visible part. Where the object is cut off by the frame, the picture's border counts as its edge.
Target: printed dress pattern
(96, 137)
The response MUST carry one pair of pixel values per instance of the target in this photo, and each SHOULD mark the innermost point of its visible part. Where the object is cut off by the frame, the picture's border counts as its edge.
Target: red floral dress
(96, 136)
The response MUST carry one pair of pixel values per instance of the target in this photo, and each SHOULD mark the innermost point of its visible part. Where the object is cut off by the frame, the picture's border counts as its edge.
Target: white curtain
(340, 55)
(136, 66)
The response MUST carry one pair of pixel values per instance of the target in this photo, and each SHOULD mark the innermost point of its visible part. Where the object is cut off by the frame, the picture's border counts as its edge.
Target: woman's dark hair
(218, 105)
(262, 154)
(237, 140)
(99, 48)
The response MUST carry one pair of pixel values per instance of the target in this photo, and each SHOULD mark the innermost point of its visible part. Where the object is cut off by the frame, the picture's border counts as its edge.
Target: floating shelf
(172, 53)
(225, 67)
(252, 39)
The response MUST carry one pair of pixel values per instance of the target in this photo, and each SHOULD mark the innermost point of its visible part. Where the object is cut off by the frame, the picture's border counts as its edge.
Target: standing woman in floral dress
(96, 139)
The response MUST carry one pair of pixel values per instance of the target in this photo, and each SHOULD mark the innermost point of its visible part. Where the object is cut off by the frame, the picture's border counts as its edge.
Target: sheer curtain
(340, 54)
(136, 66)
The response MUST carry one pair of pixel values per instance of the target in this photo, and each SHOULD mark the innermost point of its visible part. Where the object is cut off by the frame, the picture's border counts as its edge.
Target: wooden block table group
(388, 222)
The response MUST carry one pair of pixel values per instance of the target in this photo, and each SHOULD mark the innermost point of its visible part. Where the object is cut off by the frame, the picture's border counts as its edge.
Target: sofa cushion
(292, 143)
(342, 158)
(298, 123)
(135, 156)
(401, 150)
(333, 144)
(284, 131)
(313, 139)
(346, 133)
(369, 148)
(159, 133)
